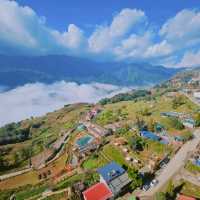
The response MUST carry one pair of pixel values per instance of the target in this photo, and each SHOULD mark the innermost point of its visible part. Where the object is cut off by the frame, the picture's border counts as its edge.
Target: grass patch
(192, 168)
(69, 181)
(94, 162)
(191, 190)
(30, 193)
(114, 154)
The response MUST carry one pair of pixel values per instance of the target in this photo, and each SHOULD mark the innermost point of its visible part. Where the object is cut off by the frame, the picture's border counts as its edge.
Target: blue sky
(159, 32)
(91, 12)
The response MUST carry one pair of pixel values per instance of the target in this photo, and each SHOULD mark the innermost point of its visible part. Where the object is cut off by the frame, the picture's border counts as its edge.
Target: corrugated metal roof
(98, 191)
(117, 184)
(110, 171)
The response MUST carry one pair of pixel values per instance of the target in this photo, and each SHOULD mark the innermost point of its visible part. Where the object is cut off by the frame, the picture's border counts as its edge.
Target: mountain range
(19, 70)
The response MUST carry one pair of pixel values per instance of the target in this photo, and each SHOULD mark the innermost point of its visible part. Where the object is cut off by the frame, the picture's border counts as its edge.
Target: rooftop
(110, 171)
(98, 191)
(117, 184)
(150, 135)
(183, 197)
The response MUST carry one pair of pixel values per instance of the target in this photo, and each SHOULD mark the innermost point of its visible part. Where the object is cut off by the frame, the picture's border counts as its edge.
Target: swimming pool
(84, 141)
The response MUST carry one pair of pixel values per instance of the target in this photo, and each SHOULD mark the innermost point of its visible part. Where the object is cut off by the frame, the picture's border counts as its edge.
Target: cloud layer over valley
(38, 99)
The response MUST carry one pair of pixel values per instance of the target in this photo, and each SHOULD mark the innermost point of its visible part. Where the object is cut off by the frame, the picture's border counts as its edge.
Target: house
(196, 95)
(99, 191)
(96, 130)
(150, 135)
(171, 114)
(92, 113)
(183, 197)
(115, 177)
(172, 94)
(81, 127)
(189, 123)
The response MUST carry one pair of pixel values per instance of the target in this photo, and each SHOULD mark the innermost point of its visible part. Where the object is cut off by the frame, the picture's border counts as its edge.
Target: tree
(145, 112)
(197, 120)
(177, 101)
(151, 125)
(74, 196)
(123, 130)
(175, 123)
(139, 122)
(170, 190)
(17, 158)
(137, 143)
(91, 179)
(136, 179)
(25, 153)
(187, 135)
(160, 196)
(3, 163)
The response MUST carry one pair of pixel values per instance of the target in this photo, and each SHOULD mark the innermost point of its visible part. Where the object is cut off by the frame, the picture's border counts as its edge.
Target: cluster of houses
(152, 136)
(186, 120)
(92, 113)
(114, 180)
(91, 140)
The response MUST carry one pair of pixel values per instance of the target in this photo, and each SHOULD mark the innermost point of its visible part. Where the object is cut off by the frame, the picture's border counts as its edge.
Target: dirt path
(48, 194)
(10, 175)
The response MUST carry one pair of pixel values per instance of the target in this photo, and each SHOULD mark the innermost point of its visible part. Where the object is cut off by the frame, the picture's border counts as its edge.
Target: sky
(158, 32)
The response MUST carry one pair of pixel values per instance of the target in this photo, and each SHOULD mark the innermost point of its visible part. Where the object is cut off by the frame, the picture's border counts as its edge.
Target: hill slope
(19, 70)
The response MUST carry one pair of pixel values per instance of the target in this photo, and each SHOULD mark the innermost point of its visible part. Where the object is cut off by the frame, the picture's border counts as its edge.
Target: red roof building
(183, 197)
(98, 191)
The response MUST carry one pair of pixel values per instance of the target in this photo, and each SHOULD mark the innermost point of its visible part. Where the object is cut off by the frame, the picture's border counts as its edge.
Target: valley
(58, 155)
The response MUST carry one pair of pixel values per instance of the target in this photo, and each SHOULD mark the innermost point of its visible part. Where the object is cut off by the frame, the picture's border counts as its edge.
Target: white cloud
(160, 49)
(73, 38)
(104, 37)
(183, 29)
(190, 59)
(133, 47)
(38, 99)
(124, 21)
(129, 36)
(23, 31)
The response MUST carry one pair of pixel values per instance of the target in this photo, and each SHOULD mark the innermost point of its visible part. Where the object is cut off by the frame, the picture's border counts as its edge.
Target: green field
(190, 190)
(192, 168)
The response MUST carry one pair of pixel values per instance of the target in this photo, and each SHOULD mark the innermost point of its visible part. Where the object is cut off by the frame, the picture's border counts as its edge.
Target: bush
(175, 123)
(187, 135)
(178, 101)
(13, 133)
(137, 143)
(197, 120)
(136, 179)
(107, 117)
(126, 97)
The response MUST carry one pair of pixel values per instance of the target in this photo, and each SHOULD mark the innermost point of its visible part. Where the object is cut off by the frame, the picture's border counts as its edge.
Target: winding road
(173, 167)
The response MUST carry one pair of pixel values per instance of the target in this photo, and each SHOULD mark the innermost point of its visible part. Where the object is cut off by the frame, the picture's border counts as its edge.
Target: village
(120, 158)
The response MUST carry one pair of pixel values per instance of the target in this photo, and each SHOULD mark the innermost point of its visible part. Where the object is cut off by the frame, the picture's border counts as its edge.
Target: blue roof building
(114, 176)
(110, 171)
(150, 135)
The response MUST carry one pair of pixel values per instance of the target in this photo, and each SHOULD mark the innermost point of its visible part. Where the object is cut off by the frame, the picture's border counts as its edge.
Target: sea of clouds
(37, 99)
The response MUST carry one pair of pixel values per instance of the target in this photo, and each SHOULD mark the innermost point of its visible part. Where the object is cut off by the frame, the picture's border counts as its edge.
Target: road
(173, 167)
(188, 176)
